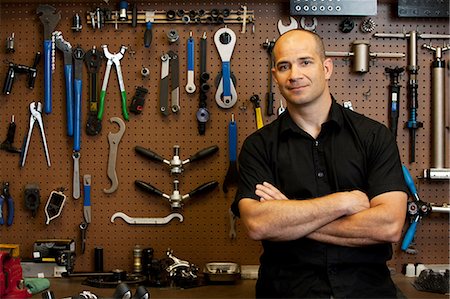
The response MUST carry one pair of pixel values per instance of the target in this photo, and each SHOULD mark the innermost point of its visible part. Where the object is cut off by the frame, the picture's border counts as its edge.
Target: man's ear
(328, 68)
(274, 72)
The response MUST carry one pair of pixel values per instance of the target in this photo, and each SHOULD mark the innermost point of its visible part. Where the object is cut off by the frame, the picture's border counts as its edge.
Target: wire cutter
(6, 196)
(113, 59)
(36, 115)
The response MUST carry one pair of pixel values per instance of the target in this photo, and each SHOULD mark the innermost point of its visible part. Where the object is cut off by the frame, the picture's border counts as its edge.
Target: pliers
(113, 59)
(35, 115)
(6, 196)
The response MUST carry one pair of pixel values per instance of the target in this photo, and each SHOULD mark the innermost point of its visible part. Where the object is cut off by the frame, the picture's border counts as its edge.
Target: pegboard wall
(203, 236)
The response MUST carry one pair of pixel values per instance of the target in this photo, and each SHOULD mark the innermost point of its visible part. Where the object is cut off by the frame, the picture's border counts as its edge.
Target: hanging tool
(437, 169)
(49, 18)
(66, 48)
(113, 59)
(394, 101)
(138, 100)
(15, 69)
(293, 24)
(6, 197)
(87, 214)
(281, 109)
(7, 145)
(257, 107)
(190, 85)
(32, 198)
(416, 209)
(268, 45)
(35, 116)
(55, 205)
(78, 56)
(176, 200)
(169, 62)
(412, 124)
(202, 112)
(232, 174)
(114, 140)
(93, 59)
(10, 44)
(142, 220)
(148, 35)
(225, 40)
(176, 164)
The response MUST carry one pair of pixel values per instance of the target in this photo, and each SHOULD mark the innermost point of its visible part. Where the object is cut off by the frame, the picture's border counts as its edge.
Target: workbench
(63, 287)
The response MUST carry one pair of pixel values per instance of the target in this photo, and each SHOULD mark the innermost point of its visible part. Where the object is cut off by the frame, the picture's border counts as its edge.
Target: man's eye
(282, 67)
(306, 62)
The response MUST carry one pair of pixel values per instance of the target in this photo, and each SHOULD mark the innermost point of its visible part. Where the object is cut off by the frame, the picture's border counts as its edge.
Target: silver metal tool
(135, 220)
(114, 140)
(293, 24)
(36, 116)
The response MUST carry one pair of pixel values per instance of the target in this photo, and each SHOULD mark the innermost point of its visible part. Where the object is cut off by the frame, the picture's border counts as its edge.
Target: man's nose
(296, 73)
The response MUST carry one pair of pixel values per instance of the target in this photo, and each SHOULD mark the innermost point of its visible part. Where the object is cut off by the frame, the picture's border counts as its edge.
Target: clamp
(6, 196)
(36, 115)
(113, 59)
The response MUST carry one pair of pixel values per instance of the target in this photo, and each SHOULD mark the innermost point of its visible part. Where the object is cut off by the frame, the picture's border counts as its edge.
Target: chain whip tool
(225, 40)
(190, 86)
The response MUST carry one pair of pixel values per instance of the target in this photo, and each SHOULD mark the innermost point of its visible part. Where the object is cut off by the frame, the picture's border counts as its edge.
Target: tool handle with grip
(259, 121)
(148, 153)
(226, 77)
(149, 188)
(124, 105)
(2, 201)
(47, 76)
(9, 80)
(68, 75)
(232, 140)
(206, 187)
(10, 204)
(409, 236)
(204, 153)
(77, 116)
(409, 182)
(270, 103)
(148, 35)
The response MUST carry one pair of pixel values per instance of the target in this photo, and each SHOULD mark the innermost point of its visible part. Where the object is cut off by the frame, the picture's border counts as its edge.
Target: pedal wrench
(164, 85)
(225, 41)
(293, 24)
(136, 220)
(175, 81)
(114, 140)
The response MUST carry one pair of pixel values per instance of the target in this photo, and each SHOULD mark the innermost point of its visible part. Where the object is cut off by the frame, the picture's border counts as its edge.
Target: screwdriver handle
(148, 35)
(148, 153)
(204, 153)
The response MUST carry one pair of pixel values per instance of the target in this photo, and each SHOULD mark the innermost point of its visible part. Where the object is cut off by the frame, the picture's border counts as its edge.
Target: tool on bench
(176, 200)
(78, 56)
(49, 18)
(66, 48)
(176, 164)
(190, 85)
(114, 140)
(7, 145)
(232, 174)
(268, 45)
(15, 69)
(202, 112)
(225, 40)
(6, 197)
(93, 59)
(55, 205)
(87, 213)
(35, 116)
(293, 24)
(256, 105)
(142, 220)
(113, 59)
(169, 62)
(394, 104)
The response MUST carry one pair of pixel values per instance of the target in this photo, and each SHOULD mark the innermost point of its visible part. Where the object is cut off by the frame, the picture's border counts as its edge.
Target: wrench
(114, 139)
(285, 28)
(135, 220)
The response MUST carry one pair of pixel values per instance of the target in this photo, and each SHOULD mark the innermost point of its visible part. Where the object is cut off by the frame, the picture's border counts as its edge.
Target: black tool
(394, 101)
(268, 45)
(137, 103)
(7, 145)
(5, 197)
(93, 59)
(232, 174)
(202, 112)
(32, 198)
(15, 69)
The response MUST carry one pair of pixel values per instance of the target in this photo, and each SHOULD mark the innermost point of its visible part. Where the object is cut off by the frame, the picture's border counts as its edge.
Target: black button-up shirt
(351, 152)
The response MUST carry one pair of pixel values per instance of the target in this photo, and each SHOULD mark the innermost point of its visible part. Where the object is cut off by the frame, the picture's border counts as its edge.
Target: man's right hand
(357, 202)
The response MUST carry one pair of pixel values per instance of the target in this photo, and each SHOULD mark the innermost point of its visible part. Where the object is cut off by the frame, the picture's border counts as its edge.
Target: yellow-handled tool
(256, 103)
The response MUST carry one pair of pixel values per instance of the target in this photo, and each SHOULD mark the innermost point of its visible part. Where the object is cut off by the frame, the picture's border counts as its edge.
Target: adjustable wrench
(135, 220)
(293, 24)
(114, 139)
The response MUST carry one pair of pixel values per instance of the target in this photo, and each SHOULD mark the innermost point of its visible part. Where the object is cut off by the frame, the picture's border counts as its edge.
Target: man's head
(301, 68)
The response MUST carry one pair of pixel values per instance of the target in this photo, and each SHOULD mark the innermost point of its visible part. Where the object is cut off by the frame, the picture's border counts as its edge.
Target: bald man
(321, 187)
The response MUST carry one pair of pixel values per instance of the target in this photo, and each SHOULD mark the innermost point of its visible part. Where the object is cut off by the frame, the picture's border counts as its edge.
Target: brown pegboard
(203, 236)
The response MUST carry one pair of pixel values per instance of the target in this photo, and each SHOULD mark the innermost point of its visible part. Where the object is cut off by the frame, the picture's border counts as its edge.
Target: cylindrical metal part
(137, 258)
(361, 56)
(76, 23)
(438, 115)
(172, 35)
(98, 259)
(10, 44)
(412, 49)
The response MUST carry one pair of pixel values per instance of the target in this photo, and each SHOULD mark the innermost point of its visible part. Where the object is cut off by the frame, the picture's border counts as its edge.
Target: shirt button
(316, 143)
(320, 174)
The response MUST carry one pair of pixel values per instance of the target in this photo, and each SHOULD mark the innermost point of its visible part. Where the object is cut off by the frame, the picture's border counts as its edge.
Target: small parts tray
(222, 272)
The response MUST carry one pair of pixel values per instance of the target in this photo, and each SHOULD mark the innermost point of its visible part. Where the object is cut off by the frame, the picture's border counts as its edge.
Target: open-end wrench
(49, 18)
(135, 220)
(293, 24)
(114, 139)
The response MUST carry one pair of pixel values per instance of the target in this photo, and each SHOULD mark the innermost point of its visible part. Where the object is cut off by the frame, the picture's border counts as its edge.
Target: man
(321, 187)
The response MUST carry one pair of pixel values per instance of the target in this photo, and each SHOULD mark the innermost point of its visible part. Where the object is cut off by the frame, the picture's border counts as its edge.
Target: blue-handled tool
(49, 18)
(86, 210)
(6, 197)
(190, 85)
(232, 174)
(416, 209)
